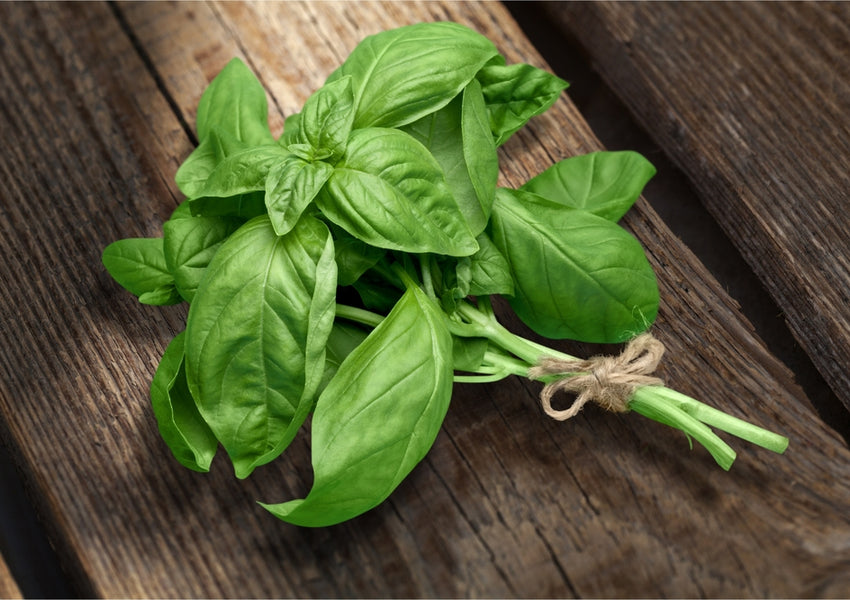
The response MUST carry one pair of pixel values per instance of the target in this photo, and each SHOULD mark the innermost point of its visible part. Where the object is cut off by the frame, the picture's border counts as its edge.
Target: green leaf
(180, 424)
(459, 137)
(291, 187)
(326, 120)
(353, 257)
(379, 415)
(402, 74)
(468, 352)
(189, 245)
(576, 275)
(243, 206)
(604, 183)
(490, 271)
(235, 103)
(256, 333)
(243, 172)
(391, 193)
(344, 338)
(138, 265)
(514, 94)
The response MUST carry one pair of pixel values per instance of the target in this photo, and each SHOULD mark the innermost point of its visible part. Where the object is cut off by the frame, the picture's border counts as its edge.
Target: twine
(607, 380)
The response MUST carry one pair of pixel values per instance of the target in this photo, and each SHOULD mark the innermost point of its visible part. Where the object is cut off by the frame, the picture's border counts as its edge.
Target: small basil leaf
(326, 119)
(256, 333)
(458, 136)
(162, 296)
(516, 93)
(378, 416)
(402, 74)
(291, 186)
(243, 172)
(180, 424)
(604, 183)
(189, 245)
(138, 265)
(243, 206)
(389, 191)
(490, 271)
(235, 102)
(353, 257)
(468, 353)
(576, 275)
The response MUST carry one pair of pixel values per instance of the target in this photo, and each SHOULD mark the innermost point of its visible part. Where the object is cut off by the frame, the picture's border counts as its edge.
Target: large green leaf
(402, 74)
(256, 334)
(378, 416)
(576, 275)
(180, 424)
(604, 183)
(458, 136)
(390, 192)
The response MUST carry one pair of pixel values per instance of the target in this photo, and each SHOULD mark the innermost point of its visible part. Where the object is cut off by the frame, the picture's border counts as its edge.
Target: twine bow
(607, 380)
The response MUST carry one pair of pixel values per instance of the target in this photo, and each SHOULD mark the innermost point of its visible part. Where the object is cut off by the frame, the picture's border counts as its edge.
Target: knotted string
(607, 380)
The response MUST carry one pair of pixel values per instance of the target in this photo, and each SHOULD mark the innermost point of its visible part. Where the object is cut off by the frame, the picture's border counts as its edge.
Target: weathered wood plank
(506, 504)
(751, 101)
(8, 586)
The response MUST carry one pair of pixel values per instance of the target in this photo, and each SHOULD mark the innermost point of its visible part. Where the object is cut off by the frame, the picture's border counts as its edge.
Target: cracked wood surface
(97, 107)
(750, 100)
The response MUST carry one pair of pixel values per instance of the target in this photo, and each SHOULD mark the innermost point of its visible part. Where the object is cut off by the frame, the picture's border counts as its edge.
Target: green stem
(358, 315)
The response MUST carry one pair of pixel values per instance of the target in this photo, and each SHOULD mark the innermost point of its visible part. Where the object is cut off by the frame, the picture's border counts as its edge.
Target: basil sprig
(346, 268)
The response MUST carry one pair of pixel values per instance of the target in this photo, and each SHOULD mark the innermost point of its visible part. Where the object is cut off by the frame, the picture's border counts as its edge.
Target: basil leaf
(256, 333)
(138, 265)
(604, 183)
(353, 257)
(376, 293)
(490, 271)
(379, 415)
(243, 172)
(235, 102)
(291, 187)
(180, 424)
(189, 245)
(459, 137)
(243, 206)
(326, 120)
(577, 275)
(388, 191)
(162, 296)
(516, 93)
(468, 353)
(403, 74)
(344, 338)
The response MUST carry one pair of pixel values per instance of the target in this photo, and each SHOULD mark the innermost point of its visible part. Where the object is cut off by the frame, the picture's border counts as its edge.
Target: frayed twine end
(609, 381)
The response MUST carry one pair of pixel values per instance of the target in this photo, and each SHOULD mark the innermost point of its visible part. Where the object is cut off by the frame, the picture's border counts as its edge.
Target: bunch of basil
(345, 269)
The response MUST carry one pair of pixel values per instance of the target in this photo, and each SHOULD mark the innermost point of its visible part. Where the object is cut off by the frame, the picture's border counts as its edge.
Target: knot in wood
(609, 381)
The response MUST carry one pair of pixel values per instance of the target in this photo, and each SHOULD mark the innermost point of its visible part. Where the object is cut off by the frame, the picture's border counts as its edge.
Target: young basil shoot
(372, 233)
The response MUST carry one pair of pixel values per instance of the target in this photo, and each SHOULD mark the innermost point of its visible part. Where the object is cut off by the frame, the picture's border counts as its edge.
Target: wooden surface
(96, 110)
(751, 100)
(8, 586)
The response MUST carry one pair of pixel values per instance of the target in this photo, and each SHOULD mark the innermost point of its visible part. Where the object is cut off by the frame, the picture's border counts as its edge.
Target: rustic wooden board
(96, 108)
(8, 586)
(751, 100)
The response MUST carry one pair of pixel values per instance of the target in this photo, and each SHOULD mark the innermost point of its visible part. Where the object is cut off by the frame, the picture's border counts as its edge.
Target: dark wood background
(97, 106)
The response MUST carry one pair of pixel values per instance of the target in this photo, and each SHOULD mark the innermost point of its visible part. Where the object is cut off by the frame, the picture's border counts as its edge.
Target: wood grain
(751, 101)
(8, 586)
(96, 106)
